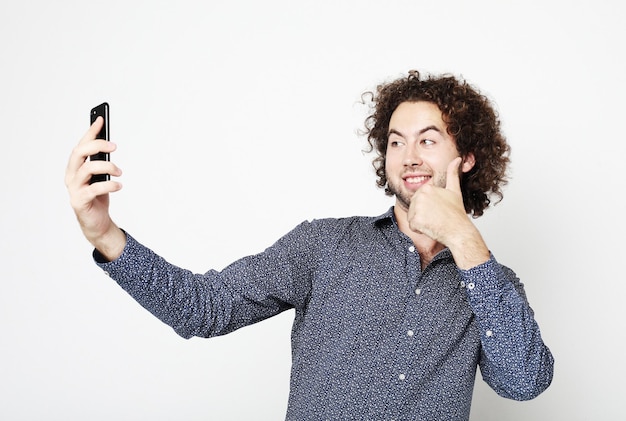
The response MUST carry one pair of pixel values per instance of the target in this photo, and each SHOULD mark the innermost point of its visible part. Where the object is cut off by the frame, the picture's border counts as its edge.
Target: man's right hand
(91, 201)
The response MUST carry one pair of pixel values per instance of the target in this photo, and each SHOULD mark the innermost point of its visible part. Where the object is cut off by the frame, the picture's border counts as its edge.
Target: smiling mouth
(417, 179)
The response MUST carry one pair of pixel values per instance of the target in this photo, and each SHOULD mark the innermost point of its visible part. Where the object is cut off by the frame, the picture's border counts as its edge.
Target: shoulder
(326, 232)
(334, 226)
(350, 228)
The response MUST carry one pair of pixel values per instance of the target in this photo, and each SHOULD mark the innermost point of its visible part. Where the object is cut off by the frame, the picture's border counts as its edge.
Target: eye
(394, 143)
(428, 142)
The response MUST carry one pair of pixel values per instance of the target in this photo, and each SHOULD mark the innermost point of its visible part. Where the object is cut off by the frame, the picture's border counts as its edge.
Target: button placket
(407, 336)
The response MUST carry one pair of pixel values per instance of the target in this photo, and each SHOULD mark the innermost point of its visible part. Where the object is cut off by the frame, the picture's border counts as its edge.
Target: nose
(412, 157)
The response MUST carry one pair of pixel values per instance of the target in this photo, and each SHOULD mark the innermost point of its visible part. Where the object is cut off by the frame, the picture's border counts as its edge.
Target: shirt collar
(389, 218)
(386, 218)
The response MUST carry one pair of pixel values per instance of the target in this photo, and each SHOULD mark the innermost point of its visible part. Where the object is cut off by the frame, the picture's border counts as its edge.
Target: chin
(403, 201)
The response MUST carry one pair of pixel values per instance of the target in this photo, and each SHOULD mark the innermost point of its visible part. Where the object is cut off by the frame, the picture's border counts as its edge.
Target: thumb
(453, 182)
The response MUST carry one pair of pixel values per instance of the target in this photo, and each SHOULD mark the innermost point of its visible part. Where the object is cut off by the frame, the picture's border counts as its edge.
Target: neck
(426, 246)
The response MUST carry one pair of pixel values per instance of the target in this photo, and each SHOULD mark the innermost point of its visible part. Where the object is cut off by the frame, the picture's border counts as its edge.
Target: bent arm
(514, 362)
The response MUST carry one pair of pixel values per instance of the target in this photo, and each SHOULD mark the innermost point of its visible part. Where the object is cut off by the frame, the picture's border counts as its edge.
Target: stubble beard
(403, 197)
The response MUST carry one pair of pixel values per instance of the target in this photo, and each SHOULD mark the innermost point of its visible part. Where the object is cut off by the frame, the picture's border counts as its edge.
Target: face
(419, 150)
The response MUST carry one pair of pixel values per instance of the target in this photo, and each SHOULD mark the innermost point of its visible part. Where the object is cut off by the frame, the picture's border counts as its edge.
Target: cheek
(392, 160)
(439, 180)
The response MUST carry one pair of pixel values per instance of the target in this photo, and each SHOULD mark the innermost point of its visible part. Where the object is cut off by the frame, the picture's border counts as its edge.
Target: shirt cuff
(99, 257)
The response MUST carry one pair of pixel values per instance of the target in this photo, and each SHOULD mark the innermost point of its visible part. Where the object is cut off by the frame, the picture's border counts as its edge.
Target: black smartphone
(101, 110)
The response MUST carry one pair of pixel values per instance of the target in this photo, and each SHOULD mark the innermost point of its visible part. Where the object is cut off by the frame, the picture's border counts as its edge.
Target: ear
(468, 162)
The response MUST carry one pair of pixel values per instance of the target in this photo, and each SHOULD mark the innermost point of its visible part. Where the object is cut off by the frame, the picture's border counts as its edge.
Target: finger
(82, 192)
(84, 200)
(87, 146)
(82, 151)
(104, 187)
(453, 182)
(94, 129)
(84, 173)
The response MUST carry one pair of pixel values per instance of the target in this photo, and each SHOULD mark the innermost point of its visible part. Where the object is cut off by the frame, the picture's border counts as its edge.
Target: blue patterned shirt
(374, 337)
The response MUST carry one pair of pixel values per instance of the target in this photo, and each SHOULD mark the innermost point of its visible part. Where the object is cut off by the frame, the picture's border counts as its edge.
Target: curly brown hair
(471, 119)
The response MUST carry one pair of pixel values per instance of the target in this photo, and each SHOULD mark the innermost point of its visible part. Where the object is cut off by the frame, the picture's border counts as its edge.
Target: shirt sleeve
(514, 360)
(217, 302)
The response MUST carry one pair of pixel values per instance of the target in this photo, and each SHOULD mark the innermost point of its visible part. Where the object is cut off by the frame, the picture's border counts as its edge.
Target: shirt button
(462, 284)
(412, 249)
(410, 333)
(489, 333)
(470, 285)
(418, 291)
(402, 376)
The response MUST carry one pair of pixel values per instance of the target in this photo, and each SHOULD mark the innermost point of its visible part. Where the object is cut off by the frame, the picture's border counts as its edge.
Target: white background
(235, 121)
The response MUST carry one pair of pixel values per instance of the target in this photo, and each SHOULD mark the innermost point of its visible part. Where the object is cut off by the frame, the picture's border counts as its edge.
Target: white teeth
(415, 180)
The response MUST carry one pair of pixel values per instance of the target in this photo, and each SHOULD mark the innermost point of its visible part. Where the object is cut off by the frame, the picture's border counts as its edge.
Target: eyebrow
(422, 131)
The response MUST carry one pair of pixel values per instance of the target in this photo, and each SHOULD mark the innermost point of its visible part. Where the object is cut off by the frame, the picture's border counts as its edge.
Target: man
(392, 313)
